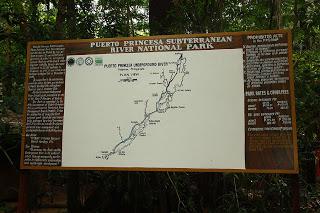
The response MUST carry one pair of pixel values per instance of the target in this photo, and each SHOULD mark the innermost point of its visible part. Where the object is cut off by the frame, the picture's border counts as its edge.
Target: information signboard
(200, 102)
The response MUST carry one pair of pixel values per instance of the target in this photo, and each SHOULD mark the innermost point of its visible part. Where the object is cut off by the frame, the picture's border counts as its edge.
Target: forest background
(94, 191)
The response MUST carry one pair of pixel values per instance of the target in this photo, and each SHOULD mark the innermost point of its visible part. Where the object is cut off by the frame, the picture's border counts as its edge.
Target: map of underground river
(155, 110)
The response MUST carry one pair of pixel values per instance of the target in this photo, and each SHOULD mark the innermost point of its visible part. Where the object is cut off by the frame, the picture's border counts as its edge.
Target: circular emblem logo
(89, 61)
(79, 61)
(70, 61)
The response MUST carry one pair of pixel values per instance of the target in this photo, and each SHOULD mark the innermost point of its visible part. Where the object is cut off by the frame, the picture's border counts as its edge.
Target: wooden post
(295, 193)
(23, 191)
(73, 192)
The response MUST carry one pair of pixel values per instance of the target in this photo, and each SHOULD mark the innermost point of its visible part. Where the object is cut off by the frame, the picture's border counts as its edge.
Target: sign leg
(23, 191)
(295, 189)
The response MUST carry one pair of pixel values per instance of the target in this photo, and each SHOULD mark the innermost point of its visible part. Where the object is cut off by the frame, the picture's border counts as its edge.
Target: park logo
(89, 61)
(70, 61)
(80, 61)
(98, 61)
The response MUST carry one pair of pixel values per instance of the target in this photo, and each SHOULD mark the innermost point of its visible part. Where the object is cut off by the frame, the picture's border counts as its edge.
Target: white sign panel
(157, 110)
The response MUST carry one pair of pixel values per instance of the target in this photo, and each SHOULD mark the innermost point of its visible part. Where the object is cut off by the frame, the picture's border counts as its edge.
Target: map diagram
(171, 84)
(170, 109)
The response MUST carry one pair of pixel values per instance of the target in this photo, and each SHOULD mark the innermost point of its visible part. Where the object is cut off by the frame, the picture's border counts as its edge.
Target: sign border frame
(295, 169)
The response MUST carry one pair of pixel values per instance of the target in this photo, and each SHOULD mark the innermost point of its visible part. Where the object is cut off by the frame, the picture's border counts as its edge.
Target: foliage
(26, 20)
(307, 83)
(122, 18)
(5, 208)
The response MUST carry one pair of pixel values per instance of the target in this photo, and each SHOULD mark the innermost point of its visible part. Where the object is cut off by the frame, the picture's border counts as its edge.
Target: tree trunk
(34, 12)
(128, 16)
(61, 16)
(158, 10)
(220, 24)
(7, 79)
(275, 21)
(71, 19)
(277, 14)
